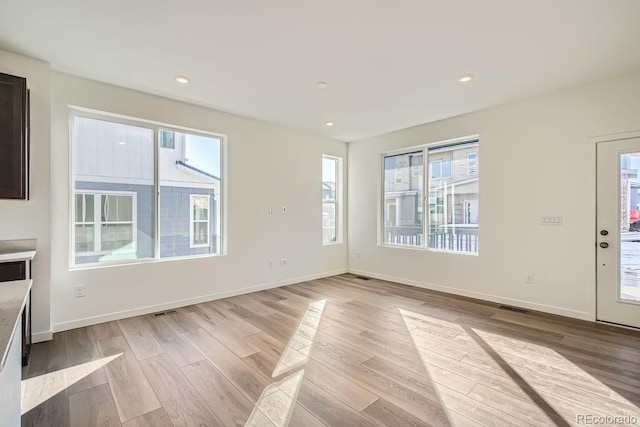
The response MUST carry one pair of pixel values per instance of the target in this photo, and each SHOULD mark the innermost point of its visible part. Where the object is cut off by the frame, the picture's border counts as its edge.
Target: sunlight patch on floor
(277, 402)
(296, 353)
(38, 390)
(443, 347)
(543, 368)
(543, 382)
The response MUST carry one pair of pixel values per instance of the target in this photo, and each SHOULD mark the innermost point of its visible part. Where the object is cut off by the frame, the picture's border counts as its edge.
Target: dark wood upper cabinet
(14, 137)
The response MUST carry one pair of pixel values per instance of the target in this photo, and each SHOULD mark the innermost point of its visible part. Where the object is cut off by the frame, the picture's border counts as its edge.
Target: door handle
(604, 245)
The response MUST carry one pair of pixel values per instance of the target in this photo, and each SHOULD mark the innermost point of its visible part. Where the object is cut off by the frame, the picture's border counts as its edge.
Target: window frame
(337, 201)
(155, 126)
(426, 206)
(193, 220)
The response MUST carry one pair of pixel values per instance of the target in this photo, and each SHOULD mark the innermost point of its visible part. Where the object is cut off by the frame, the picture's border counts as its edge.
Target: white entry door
(618, 232)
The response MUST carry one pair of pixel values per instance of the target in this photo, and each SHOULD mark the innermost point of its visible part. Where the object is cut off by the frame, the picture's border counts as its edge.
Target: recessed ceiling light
(182, 79)
(329, 123)
(122, 143)
(321, 85)
(465, 78)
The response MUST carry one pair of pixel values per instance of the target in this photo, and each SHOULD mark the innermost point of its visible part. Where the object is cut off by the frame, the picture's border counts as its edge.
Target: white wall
(21, 219)
(268, 164)
(535, 159)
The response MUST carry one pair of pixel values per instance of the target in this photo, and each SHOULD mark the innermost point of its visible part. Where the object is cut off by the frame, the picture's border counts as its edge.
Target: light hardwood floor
(339, 351)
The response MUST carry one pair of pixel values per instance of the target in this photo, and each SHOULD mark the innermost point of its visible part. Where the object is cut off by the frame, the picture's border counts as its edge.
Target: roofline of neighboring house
(200, 171)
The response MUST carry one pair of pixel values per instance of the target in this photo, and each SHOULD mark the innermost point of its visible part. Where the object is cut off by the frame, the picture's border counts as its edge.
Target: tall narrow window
(143, 191)
(200, 221)
(450, 222)
(330, 200)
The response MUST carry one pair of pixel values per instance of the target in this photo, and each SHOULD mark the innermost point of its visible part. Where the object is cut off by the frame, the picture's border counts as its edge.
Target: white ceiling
(389, 64)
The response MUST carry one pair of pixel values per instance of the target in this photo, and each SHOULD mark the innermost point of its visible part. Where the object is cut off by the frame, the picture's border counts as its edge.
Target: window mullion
(97, 223)
(426, 208)
(156, 191)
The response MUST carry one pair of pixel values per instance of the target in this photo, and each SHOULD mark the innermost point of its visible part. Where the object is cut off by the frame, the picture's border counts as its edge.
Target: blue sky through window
(203, 153)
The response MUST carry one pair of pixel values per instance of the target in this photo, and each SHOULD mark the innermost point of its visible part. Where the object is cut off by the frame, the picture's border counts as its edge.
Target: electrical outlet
(528, 278)
(283, 262)
(80, 291)
(284, 209)
(358, 255)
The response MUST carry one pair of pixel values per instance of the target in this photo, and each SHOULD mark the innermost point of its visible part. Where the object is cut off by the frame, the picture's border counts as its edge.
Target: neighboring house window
(472, 163)
(451, 223)
(117, 223)
(440, 169)
(398, 175)
(416, 166)
(167, 139)
(331, 206)
(85, 223)
(200, 221)
(134, 200)
(112, 229)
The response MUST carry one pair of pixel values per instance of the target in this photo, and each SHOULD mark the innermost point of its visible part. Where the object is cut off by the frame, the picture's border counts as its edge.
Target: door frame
(592, 294)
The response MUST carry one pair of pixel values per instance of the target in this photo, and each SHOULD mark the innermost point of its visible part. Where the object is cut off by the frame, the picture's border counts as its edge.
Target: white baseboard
(37, 337)
(87, 321)
(582, 315)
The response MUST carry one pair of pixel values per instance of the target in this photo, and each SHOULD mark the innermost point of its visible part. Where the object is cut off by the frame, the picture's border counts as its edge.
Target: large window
(143, 191)
(450, 175)
(331, 183)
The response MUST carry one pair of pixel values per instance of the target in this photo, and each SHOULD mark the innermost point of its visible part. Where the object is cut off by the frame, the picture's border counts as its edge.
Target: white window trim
(193, 221)
(97, 220)
(337, 201)
(221, 206)
(426, 177)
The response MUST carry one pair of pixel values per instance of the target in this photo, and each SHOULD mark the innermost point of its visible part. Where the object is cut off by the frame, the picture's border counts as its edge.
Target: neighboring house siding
(175, 221)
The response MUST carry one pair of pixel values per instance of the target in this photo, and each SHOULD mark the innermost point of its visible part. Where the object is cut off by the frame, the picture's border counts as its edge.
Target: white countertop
(17, 256)
(13, 296)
